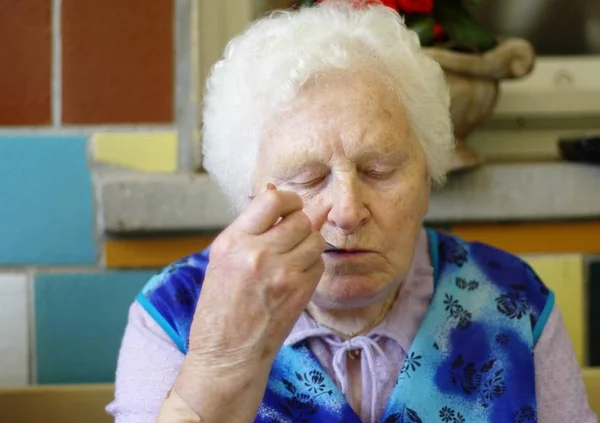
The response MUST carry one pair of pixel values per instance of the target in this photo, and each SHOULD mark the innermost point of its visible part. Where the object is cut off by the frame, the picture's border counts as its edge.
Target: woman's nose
(348, 210)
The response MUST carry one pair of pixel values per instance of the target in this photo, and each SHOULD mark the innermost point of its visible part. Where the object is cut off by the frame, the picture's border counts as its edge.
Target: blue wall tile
(80, 320)
(46, 201)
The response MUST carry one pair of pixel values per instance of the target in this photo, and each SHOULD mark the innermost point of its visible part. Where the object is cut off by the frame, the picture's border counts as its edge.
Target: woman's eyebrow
(301, 165)
(393, 155)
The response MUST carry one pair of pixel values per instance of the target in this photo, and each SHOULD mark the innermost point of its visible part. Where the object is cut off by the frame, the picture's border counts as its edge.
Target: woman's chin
(357, 292)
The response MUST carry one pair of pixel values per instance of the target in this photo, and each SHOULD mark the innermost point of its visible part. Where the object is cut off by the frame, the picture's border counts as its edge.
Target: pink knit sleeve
(561, 395)
(148, 364)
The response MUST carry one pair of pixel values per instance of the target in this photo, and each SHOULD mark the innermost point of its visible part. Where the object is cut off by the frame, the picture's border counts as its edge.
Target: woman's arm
(148, 365)
(561, 395)
(263, 270)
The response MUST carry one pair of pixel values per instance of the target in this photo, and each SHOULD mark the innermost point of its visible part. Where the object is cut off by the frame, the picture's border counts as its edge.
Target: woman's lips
(347, 252)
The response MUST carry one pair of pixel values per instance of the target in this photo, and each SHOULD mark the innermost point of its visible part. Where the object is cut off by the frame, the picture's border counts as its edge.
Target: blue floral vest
(471, 360)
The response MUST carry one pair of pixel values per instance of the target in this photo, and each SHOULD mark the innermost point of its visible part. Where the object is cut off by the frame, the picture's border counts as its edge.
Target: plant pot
(474, 84)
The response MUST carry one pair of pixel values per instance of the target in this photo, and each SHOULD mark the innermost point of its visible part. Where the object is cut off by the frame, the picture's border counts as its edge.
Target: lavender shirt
(149, 361)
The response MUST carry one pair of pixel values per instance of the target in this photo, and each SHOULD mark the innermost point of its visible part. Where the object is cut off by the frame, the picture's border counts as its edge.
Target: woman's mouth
(347, 252)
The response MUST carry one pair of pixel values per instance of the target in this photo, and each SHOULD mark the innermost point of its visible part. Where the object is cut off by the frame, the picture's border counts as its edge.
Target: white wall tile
(14, 329)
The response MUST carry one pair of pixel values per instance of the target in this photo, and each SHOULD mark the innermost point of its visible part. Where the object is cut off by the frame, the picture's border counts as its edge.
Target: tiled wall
(117, 61)
(25, 62)
(97, 78)
(77, 79)
(63, 325)
(86, 87)
(86, 62)
(79, 321)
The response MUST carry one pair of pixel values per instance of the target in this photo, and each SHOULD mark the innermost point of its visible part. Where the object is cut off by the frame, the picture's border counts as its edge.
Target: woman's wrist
(217, 397)
(175, 409)
(195, 390)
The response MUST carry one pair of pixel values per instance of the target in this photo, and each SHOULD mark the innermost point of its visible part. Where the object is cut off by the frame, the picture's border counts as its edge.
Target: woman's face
(346, 148)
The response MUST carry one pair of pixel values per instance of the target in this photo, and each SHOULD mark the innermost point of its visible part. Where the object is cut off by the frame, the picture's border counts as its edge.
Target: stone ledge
(144, 202)
(140, 202)
(525, 191)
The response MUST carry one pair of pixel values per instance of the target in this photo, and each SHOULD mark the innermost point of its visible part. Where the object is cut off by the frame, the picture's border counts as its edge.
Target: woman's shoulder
(187, 272)
(455, 252)
(170, 296)
(517, 289)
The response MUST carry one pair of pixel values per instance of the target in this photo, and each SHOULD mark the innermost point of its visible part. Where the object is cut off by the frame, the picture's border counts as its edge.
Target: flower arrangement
(439, 23)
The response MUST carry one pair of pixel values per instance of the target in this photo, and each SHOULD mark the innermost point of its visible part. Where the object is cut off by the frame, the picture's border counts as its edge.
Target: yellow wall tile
(564, 275)
(151, 151)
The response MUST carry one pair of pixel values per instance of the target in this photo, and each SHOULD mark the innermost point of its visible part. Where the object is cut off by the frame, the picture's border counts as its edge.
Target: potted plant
(474, 61)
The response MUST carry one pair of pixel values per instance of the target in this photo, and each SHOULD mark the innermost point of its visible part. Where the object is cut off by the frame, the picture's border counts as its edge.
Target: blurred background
(555, 27)
(101, 183)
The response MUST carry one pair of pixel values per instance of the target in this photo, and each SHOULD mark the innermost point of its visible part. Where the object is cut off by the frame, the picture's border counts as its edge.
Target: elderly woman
(326, 300)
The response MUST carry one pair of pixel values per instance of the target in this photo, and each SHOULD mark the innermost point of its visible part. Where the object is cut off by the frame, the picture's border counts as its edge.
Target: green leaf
(474, 3)
(423, 26)
(464, 32)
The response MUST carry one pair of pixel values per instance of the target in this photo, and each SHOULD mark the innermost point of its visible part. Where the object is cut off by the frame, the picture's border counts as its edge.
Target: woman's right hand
(262, 272)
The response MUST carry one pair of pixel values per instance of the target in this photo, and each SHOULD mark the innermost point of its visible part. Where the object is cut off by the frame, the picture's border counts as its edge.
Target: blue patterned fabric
(471, 359)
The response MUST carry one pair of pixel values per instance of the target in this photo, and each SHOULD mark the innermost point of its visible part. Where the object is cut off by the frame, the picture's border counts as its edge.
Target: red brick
(25, 62)
(117, 61)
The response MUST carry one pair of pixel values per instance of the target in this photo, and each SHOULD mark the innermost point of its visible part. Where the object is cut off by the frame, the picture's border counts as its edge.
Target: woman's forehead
(367, 122)
(289, 154)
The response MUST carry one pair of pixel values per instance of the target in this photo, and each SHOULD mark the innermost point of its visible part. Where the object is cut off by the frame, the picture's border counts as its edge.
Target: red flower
(415, 6)
(438, 32)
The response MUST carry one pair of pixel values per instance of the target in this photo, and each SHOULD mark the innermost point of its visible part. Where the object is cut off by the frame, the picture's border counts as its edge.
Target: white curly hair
(265, 68)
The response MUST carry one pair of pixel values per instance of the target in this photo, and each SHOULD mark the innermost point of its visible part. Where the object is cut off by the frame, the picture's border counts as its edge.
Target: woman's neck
(355, 321)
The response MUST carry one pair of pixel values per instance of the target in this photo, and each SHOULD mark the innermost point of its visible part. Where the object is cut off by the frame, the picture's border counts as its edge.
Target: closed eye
(378, 175)
(309, 183)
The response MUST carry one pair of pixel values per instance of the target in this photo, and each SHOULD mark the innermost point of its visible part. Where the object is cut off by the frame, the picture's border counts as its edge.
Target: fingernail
(269, 186)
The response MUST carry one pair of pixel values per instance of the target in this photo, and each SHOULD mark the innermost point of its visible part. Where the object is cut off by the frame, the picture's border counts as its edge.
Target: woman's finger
(306, 253)
(311, 278)
(289, 232)
(266, 209)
